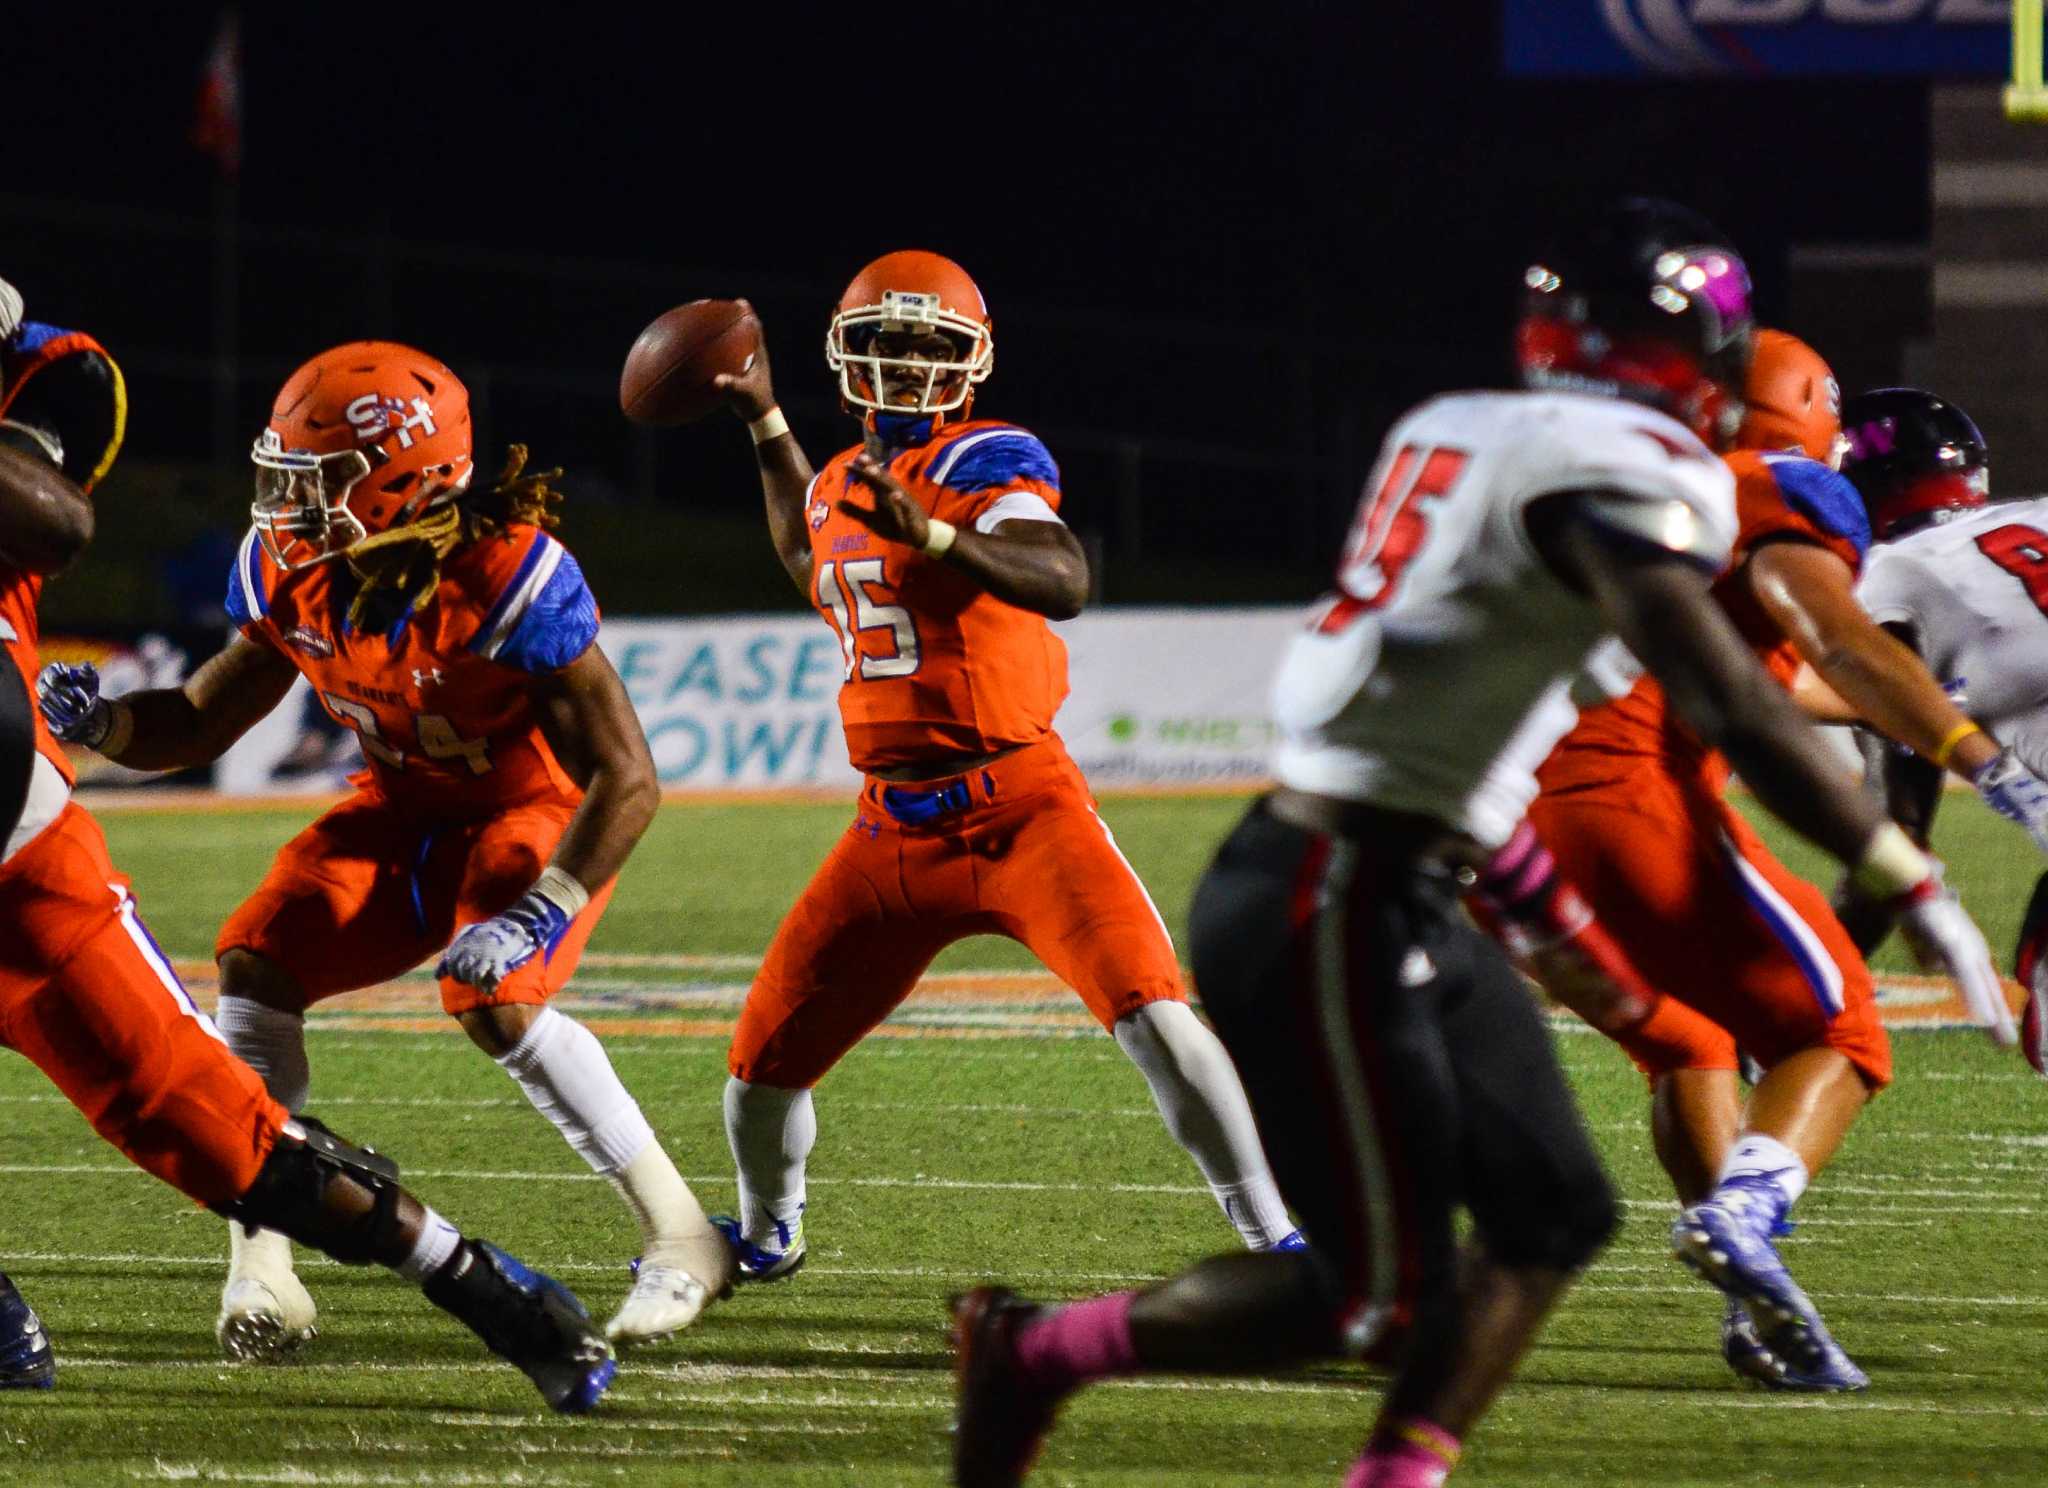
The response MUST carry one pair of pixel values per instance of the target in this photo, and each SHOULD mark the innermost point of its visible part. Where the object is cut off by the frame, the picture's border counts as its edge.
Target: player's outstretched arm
(785, 471)
(1036, 566)
(45, 519)
(1807, 592)
(168, 728)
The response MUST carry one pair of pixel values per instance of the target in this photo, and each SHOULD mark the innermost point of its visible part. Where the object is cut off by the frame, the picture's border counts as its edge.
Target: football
(667, 376)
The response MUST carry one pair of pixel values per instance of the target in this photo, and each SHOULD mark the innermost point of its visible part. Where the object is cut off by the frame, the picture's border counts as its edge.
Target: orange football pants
(372, 889)
(1748, 955)
(89, 997)
(1025, 855)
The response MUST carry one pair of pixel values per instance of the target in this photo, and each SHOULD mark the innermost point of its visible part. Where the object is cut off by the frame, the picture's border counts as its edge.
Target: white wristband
(1890, 864)
(561, 890)
(939, 538)
(770, 425)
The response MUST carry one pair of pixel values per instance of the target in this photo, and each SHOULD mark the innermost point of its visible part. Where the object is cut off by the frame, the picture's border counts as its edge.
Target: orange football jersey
(935, 665)
(1777, 496)
(442, 701)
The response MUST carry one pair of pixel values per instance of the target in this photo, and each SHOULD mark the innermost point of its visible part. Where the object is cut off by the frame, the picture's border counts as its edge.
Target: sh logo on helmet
(1674, 35)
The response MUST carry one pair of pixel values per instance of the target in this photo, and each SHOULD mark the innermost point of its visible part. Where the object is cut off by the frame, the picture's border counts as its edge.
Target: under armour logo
(421, 679)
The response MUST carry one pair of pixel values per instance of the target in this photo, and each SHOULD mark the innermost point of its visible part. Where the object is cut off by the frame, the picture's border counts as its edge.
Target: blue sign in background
(1757, 38)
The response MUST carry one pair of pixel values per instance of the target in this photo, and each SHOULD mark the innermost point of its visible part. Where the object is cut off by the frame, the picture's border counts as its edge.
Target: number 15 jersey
(441, 702)
(934, 665)
(1449, 638)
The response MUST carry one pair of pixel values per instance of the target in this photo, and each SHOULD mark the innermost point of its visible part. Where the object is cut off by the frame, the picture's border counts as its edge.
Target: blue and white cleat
(529, 1319)
(26, 1362)
(1293, 1240)
(755, 1260)
(1726, 1240)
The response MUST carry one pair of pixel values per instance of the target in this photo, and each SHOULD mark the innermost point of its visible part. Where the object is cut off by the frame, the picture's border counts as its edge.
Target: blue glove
(70, 699)
(2015, 793)
(485, 953)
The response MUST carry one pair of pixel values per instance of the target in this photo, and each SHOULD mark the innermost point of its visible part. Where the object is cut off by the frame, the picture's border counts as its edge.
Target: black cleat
(999, 1423)
(529, 1318)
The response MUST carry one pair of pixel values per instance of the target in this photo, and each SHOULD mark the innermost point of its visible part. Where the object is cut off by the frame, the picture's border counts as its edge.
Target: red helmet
(362, 439)
(1794, 401)
(1646, 301)
(903, 293)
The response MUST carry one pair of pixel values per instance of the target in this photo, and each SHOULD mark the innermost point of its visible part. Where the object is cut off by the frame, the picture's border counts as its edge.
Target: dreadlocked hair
(400, 569)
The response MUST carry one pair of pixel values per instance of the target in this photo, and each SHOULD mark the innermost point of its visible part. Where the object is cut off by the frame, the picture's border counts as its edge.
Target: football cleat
(755, 1261)
(267, 1320)
(1293, 1240)
(1726, 1240)
(664, 1301)
(26, 1361)
(530, 1319)
(999, 1423)
(1744, 1351)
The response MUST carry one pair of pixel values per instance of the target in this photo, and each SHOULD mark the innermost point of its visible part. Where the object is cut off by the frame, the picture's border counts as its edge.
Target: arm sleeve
(547, 617)
(1799, 499)
(1640, 479)
(248, 599)
(1003, 474)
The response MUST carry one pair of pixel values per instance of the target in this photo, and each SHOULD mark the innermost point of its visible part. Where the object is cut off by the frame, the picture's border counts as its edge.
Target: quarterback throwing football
(935, 550)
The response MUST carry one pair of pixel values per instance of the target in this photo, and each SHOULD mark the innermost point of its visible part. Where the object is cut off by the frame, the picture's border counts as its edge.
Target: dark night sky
(1165, 206)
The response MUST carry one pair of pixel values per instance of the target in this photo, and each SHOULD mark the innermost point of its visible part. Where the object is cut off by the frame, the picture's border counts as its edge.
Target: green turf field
(992, 1134)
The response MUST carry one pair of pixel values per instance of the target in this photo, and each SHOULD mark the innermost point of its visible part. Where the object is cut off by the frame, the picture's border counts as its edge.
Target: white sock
(770, 1131)
(274, 1045)
(673, 1228)
(271, 1043)
(565, 1073)
(1197, 1091)
(436, 1244)
(1757, 1156)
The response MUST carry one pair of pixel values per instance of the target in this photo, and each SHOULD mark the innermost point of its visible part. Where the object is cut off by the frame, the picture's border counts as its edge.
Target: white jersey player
(1395, 1064)
(1964, 582)
(1450, 634)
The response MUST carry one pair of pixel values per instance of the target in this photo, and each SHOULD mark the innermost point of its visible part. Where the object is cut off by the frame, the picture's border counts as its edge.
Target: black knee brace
(1562, 1234)
(290, 1195)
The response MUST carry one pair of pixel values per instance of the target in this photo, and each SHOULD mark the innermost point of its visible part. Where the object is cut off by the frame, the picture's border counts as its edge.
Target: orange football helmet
(362, 439)
(904, 293)
(1793, 399)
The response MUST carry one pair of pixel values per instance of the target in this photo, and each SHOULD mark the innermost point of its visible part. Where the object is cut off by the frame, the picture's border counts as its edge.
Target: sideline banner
(1161, 697)
(1757, 38)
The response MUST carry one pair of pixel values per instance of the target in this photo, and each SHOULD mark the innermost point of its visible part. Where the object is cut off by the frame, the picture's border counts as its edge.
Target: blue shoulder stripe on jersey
(1824, 497)
(505, 613)
(995, 457)
(248, 599)
(559, 624)
(32, 335)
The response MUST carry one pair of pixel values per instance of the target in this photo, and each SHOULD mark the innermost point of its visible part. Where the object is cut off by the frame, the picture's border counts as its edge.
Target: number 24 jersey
(442, 702)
